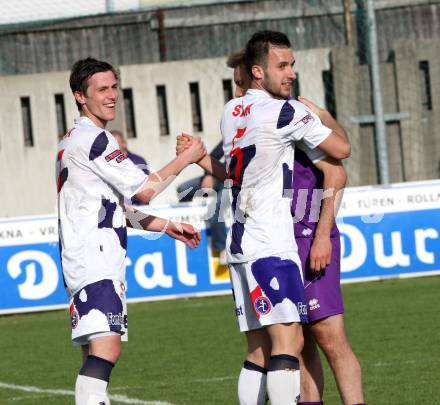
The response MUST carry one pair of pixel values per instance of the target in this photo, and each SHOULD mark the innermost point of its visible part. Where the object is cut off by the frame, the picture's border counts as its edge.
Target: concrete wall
(413, 142)
(205, 29)
(27, 173)
(27, 176)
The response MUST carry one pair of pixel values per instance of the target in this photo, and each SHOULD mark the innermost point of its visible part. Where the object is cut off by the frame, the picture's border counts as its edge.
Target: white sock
(283, 387)
(251, 387)
(91, 391)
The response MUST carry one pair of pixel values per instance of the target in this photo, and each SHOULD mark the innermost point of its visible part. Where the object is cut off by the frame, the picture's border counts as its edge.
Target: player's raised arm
(336, 144)
(186, 233)
(209, 163)
(158, 181)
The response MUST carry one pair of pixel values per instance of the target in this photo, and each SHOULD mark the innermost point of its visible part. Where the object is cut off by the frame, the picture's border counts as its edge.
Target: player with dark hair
(241, 78)
(94, 178)
(259, 133)
(319, 250)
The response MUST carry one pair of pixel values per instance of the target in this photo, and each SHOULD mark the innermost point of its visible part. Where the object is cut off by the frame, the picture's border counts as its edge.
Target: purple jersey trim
(306, 179)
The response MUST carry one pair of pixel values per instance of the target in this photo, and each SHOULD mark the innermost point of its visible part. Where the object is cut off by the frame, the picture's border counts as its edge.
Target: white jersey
(259, 133)
(93, 177)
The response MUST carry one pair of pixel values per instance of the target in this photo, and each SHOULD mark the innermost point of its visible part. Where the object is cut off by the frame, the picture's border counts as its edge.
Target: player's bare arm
(208, 163)
(158, 181)
(186, 233)
(335, 178)
(336, 144)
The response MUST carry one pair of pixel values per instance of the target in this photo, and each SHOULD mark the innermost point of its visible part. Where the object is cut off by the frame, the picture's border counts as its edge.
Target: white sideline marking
(215, 379)
(118, 398)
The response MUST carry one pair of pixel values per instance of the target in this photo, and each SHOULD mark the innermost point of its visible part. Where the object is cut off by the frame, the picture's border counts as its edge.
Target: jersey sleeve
(315, 155)
(106, 160)
(304, 125)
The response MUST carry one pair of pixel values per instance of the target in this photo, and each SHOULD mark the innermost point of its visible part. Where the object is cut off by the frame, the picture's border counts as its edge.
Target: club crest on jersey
(74, 316)
(262, 305)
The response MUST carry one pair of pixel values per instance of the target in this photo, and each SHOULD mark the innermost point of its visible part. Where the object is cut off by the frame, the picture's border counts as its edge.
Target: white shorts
(99, 309)
(268, 291)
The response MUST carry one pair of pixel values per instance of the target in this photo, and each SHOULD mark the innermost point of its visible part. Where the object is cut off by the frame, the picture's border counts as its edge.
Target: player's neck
(257, 85)
(96, 120)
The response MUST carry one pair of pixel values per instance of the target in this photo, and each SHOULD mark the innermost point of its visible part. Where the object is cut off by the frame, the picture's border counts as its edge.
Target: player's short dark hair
(235, 59)
(258, 47)
(83, 70)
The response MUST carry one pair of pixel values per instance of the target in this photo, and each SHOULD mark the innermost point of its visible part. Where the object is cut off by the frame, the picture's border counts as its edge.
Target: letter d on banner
(29, 289)
(358, 253)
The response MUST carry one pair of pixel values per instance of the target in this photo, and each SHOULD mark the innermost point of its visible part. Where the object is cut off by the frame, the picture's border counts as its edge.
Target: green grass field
(189, 351)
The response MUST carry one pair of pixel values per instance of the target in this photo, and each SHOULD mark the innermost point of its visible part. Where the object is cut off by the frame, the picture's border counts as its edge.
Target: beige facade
(28, 172)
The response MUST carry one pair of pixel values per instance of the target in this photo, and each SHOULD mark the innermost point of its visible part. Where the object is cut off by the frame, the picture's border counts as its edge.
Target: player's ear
(257, 72)
(79, 97)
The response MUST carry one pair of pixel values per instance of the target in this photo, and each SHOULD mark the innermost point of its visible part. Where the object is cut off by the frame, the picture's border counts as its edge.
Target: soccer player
(93, 178)
(319, 251)
(259, 131)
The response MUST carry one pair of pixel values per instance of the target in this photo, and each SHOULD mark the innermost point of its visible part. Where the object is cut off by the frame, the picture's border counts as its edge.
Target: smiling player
(94, 178)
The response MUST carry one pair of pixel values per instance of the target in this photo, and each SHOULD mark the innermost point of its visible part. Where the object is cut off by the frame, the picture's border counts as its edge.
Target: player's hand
(183, 142)
(207, 182)
(312, 106)
(185, 233)
(320, 253)
(195, 152)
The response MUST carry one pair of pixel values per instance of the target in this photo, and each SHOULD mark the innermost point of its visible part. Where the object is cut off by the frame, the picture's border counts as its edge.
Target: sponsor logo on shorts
(262, 305)
(238, 311)
(302, 308)
(314, 304)
(117, 319)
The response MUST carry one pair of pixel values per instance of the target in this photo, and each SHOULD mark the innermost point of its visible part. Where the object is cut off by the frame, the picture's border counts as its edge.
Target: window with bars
(425, 83)
(195, 107)
(294, 91)
(60, 111)
(130, 121)
(227, 90)
(161, 95)
(26, 116)
(329, 92)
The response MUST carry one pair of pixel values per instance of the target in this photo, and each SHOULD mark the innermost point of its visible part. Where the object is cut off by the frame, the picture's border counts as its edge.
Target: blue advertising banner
(157, 266)
(390, 232)
(385, 232)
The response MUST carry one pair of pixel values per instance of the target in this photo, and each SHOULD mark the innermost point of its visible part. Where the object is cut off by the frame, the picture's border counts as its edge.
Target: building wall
(28, 177)
(207, 31)
(413, 140)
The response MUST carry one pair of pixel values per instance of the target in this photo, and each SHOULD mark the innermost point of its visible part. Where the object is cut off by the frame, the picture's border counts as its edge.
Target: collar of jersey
(258, 93)
(84, 121)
